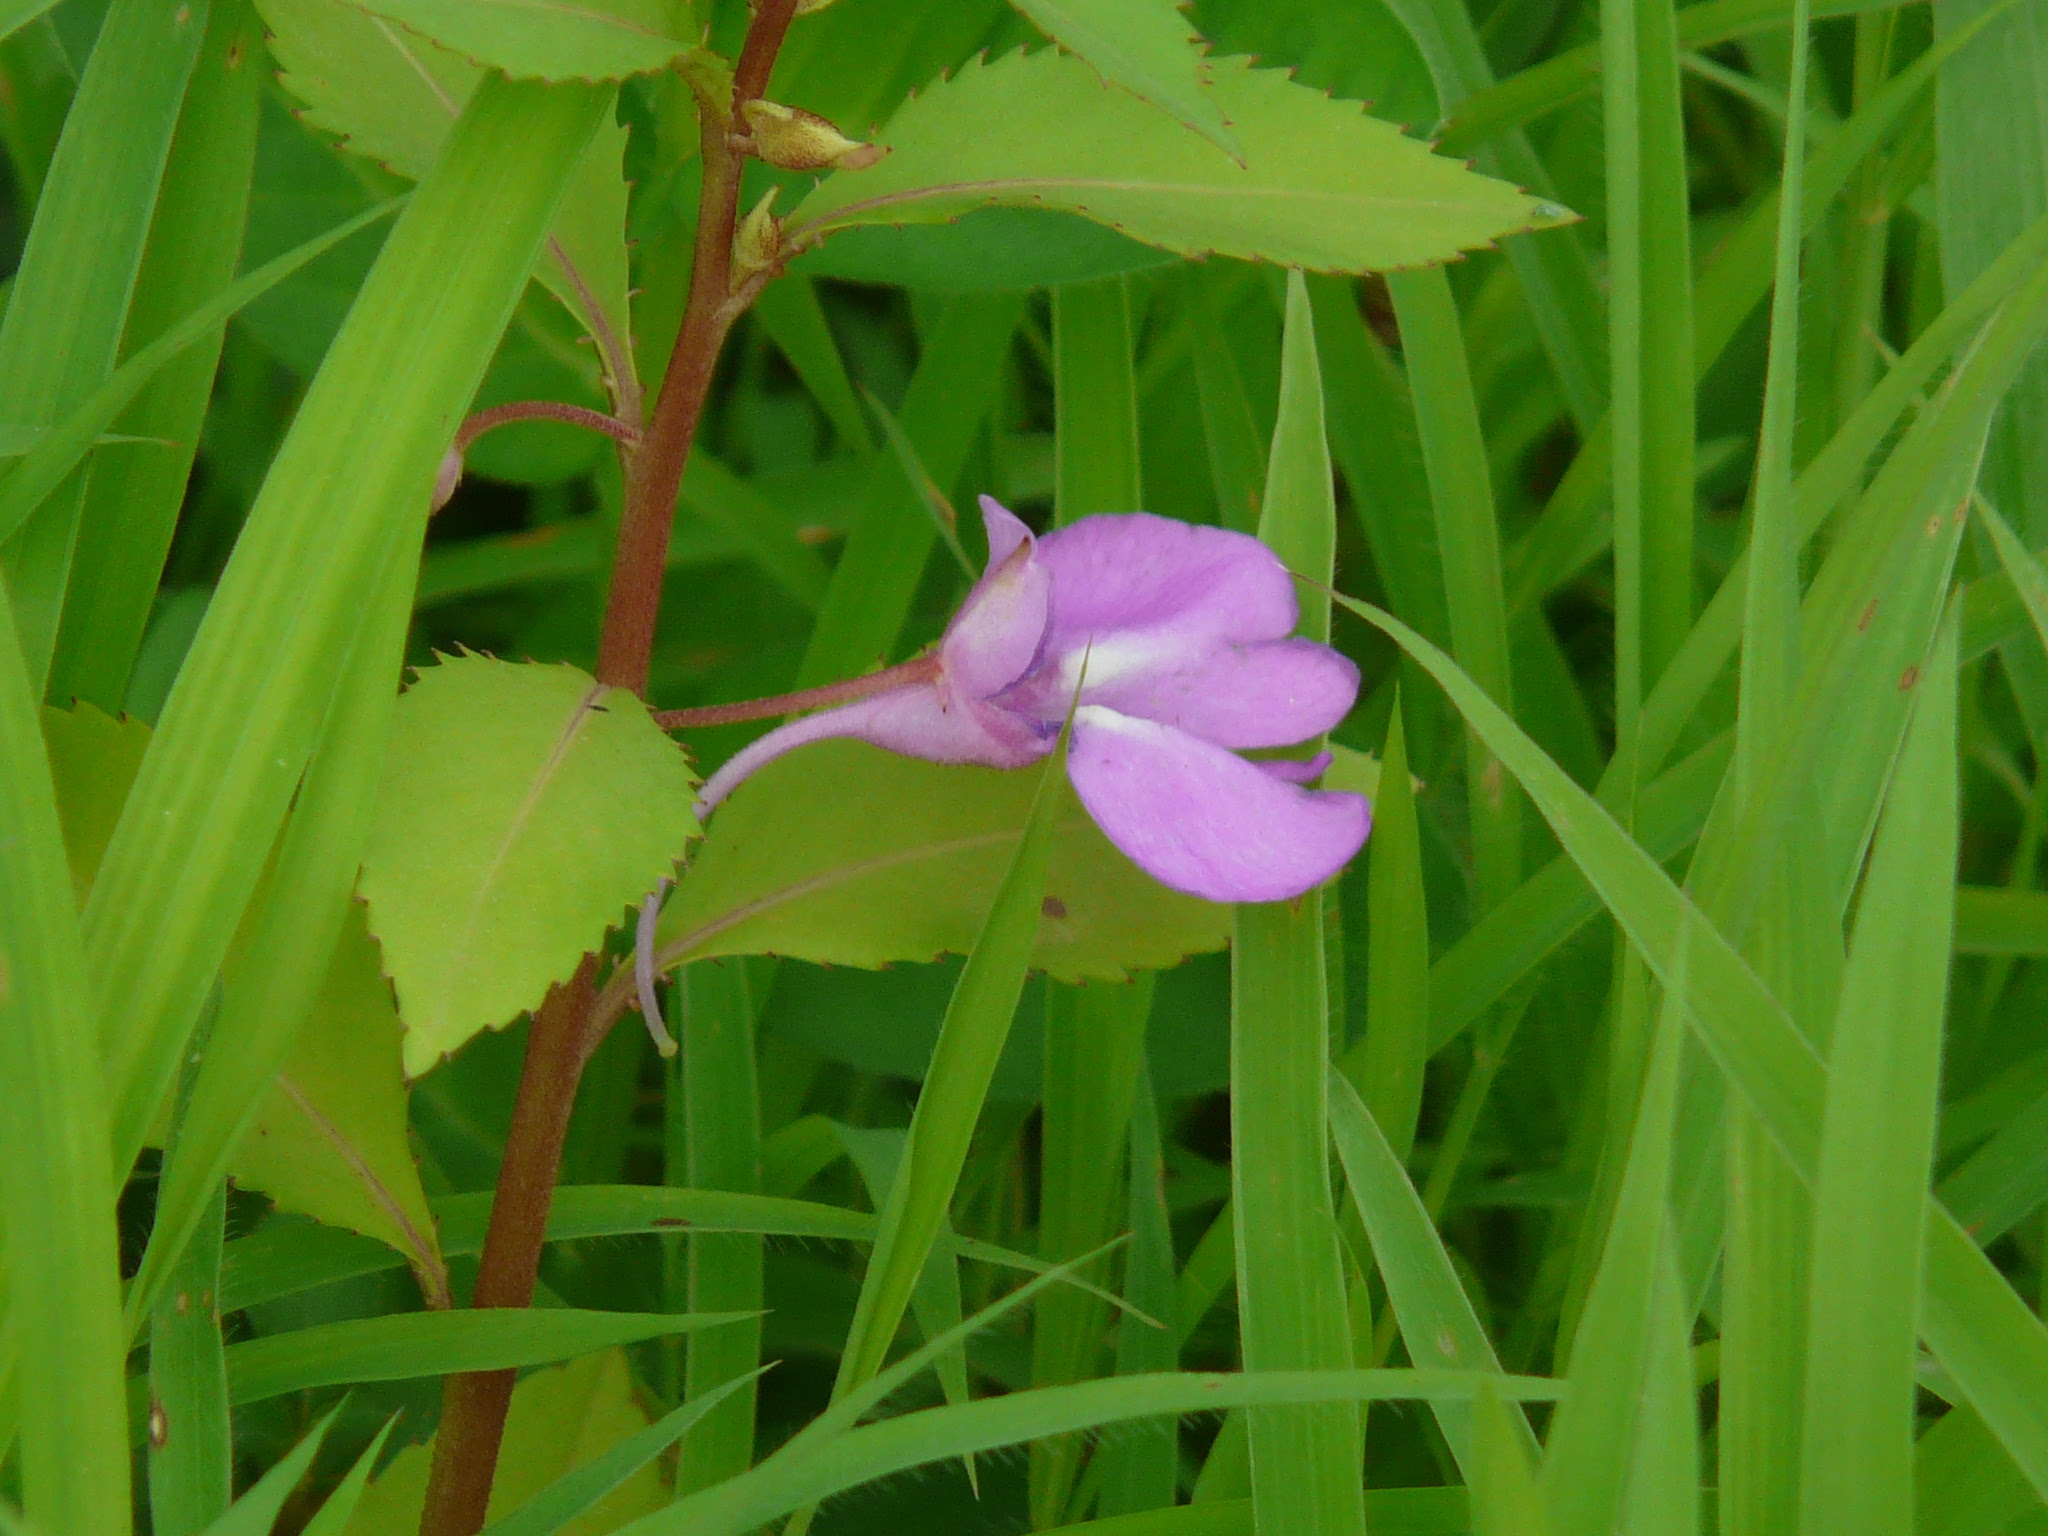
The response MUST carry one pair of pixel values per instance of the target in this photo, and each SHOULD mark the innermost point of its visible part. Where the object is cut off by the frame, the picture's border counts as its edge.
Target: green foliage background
(1677, 1050)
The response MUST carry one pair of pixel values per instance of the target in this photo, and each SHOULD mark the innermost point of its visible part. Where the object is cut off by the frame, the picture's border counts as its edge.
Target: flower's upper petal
(1203, 820)
(915, 721)
(1005, 530)
(995, 637)
(1134, 573)
(1265, 695)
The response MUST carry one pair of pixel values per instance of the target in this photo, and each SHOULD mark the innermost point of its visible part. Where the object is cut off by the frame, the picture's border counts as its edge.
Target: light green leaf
(550, 39)
(1322, 185)
(523, 808)
(93, 758)
(1145, 46)
(389, 91)
(561, 1420)
(407, 1345)
(845, 854)
(330, 1139)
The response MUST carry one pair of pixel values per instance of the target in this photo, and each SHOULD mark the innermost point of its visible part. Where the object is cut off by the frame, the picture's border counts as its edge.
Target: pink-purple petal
(1133, 572)
(1203, 820)
(1267, 695)
(995, 637)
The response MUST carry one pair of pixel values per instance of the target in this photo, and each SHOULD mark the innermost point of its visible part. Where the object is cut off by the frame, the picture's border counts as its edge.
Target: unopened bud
(447, 477)
(757, 243)
(797, 140)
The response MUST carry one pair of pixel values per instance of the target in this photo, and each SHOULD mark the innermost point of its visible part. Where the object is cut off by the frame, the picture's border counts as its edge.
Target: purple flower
(1186, 638)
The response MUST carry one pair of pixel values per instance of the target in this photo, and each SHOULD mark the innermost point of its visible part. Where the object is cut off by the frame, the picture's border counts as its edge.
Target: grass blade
(289, 942)
(1429, 1301)
(257, 1510)
(340, 1506)
(717, 1083)
(191, 1449)
(1290, 1278)
(404, 1346)
(971, 1039)
(63, 324)
(1094, 1036)
(1455, 452)
(195, 240)
(1142, 1468)
(345, 497)
(1877, 1141)
(587, 1487)
(62, 1259)
(819, 1469)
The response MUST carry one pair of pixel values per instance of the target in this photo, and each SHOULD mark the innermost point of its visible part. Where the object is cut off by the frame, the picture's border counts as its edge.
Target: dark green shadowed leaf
(195, 241)
(523, 809)
(1321, 186)
(956, 382)
(257, 1510)
(69, 305)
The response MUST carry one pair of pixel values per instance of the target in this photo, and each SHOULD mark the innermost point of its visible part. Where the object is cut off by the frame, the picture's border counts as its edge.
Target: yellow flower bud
(757, 243)
(797, 140)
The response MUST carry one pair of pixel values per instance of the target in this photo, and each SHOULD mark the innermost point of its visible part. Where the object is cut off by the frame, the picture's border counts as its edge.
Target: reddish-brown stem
(473, 1405)
(544, 410)
(920, 669)
(564, 1031)
(657, 469)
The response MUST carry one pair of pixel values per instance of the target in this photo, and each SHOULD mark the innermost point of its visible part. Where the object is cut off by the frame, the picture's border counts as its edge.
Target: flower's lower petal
(1204, 820)
(1290, 771)
(913, 721)
(1134, 573)
(1238, 696)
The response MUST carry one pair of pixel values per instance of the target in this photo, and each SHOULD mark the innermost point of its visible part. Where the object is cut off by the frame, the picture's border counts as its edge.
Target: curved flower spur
(1187, 634)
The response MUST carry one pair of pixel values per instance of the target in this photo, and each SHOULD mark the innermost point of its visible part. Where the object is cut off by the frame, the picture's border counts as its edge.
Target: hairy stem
(622, 432)
(920, 669)
(564, 1030)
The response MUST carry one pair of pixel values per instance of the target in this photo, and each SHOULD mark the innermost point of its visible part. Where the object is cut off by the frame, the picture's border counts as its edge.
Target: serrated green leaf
(330, 1139)
(1145, 46)
(390, 92)
(560, 1420)
(549, 39)
(848, 855)
(522, 809)
(1322, 185)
